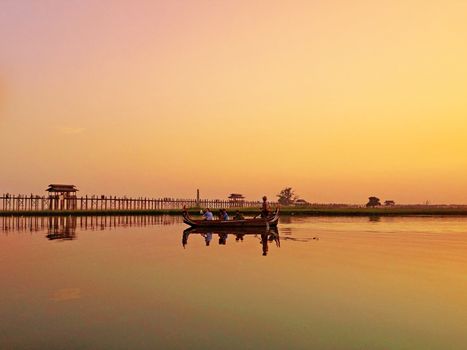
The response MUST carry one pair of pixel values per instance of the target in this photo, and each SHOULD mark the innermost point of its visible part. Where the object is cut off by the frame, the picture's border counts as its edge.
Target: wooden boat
(270, 221)
(232, 230)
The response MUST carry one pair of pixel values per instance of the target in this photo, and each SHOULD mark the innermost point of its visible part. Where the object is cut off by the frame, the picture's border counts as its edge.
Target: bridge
(72, 203)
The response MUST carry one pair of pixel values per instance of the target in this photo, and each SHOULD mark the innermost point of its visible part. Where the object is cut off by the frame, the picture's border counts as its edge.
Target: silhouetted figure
(238, 216)
(265, 208)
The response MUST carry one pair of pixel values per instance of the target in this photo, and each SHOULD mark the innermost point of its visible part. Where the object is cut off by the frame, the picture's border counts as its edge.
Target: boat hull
(272, 221)
(232, 230)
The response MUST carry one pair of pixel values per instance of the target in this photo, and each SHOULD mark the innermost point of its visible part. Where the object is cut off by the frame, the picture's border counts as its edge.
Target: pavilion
(62, 197)
(237, 199)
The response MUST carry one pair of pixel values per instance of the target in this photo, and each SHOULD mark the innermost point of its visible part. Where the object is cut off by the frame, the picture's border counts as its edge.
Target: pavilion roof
(61, 188)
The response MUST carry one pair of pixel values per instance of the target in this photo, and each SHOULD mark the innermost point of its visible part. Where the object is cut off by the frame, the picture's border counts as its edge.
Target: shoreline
(286, 211)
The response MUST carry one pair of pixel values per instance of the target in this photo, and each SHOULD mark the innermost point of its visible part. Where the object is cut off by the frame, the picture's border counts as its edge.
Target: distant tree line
(287, 196)
(375, 202)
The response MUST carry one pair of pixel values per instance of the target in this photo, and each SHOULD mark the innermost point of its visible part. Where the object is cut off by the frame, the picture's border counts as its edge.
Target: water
(325, 283)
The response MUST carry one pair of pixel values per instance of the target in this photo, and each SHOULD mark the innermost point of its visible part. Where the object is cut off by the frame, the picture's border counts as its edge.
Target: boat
(232, 230)
(271, 221)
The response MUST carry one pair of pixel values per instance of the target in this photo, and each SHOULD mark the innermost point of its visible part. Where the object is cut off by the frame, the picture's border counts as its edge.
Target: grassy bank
(393, 211)
(376, 211)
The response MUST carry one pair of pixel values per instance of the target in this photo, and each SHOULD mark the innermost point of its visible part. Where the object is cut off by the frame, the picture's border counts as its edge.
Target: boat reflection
(266, 237)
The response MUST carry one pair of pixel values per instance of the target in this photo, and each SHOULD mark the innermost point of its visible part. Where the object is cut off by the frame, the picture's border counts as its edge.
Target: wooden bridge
(28, 203)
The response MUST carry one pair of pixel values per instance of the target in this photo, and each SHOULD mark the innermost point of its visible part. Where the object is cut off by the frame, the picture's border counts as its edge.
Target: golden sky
(338, 99)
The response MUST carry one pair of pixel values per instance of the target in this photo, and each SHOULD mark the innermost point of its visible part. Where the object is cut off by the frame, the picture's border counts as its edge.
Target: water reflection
(65, 227)
(363, 285)
(62, 227)
(266, 237)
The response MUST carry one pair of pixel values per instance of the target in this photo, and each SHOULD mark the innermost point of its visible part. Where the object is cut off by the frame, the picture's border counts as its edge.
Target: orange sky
(338, 99)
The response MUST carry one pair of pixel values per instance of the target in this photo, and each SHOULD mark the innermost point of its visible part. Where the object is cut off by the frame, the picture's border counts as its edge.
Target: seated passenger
(225, 215)
(208, 215)
(238, 216)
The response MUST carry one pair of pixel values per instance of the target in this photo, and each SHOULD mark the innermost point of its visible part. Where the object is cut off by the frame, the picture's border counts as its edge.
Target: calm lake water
(324, 283)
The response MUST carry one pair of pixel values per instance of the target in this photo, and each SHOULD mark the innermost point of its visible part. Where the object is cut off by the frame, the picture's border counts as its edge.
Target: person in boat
(238, 216)
(265, 212)
(208, 214)
(223, 215)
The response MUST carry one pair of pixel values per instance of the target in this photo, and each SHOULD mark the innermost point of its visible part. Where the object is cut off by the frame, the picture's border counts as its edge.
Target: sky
(340, 100)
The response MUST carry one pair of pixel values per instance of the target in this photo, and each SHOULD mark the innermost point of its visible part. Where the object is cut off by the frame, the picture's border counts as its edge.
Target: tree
(373, 202)
(287, 196)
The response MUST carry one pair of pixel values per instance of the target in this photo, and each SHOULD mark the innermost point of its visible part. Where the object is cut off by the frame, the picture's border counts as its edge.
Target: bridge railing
(32, 202)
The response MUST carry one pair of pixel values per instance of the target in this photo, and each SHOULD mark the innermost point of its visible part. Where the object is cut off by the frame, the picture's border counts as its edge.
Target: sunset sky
(338, 99)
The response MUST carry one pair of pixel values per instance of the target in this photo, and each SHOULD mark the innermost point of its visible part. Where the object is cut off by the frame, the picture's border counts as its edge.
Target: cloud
(70, 130)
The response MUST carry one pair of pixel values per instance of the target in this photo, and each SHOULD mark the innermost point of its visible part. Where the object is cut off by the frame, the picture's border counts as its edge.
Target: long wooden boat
(270, 221)
(232, 230)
